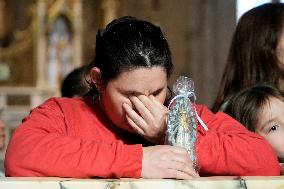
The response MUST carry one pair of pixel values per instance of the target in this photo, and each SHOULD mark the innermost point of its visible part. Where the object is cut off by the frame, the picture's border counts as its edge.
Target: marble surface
(198, 183)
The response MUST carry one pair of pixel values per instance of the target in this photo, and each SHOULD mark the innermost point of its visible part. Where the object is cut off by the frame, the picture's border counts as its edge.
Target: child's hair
(246, 105)
(75, 83)
(128, 43)
(252, 57)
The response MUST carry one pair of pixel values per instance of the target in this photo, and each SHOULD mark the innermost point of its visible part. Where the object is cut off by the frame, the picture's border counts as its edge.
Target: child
(261, 109)
(119, 129)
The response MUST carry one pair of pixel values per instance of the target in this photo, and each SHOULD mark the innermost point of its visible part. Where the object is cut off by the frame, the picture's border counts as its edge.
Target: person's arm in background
(2, 135)
(43, 145)
(2, 145)
(228, 148)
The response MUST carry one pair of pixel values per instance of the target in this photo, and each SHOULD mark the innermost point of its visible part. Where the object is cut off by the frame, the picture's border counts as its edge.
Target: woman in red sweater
(118, 129)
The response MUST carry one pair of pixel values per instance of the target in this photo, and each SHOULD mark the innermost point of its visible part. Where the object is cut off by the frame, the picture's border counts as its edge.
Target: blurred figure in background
(2, 145)
(2, 135)
(75, 83)
(256, 53)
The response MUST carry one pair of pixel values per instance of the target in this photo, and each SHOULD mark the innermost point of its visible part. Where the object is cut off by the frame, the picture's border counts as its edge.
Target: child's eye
(273, 128)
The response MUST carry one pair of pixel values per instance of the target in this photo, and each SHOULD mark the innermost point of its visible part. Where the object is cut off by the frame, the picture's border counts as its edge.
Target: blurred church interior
(43, 40)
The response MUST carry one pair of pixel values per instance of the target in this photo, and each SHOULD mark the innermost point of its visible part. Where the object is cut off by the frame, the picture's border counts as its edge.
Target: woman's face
(140, 81)
(271, 125)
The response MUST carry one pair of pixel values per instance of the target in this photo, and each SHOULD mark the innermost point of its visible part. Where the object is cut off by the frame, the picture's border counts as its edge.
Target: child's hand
(148, 119)
(165, 161)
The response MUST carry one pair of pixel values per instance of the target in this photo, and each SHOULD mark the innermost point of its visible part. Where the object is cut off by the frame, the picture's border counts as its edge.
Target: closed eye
(157, 92)
(131, 93)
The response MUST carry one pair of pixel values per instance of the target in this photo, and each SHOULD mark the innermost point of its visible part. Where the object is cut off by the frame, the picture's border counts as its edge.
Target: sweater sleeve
(41, 147)
(228, 148)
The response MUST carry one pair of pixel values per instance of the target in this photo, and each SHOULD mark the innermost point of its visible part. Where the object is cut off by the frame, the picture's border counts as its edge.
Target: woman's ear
(95, 74)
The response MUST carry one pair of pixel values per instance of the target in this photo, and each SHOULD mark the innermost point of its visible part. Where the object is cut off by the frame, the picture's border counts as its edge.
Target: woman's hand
(163, 161)
(147, 117)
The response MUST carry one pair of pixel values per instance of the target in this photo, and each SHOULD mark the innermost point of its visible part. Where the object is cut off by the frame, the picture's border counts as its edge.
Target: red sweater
(72, 138)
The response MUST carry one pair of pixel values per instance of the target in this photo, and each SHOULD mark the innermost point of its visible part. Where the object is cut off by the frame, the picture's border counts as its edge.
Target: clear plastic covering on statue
(183, 119)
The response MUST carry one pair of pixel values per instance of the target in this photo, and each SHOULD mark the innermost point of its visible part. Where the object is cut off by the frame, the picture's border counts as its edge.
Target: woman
(118, 130)
(256, 53)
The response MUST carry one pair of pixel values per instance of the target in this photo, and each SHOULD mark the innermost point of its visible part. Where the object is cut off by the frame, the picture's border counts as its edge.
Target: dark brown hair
(246, 105)
(252, 57)
(75, 83)
(128, 43)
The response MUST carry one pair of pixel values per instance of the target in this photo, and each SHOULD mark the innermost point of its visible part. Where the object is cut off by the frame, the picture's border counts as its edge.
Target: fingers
(144, 107)
(172, 173)
(150, 109)
(158, 103)
(147, 118)
(182, 162)
(134, 120)
(152, 104)
(180, 170)
(179, 150)
(136, 128)
(163, 162)
(146, 101)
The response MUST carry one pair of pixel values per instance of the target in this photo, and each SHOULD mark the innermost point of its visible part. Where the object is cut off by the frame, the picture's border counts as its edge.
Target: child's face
(140, 81)
(270, 124)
